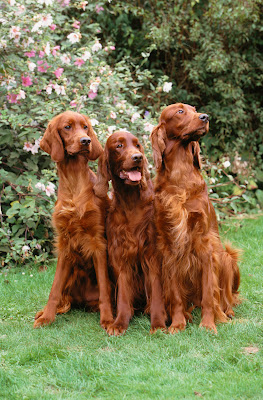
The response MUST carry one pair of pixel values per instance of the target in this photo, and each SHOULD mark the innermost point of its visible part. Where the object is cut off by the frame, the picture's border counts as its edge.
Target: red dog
(79, 219)
(130, 230)
(197, 270)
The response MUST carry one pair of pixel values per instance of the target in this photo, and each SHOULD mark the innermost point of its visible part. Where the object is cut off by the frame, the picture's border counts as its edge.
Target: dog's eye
(180, 111)
(138, 145)
(67, 127)
(119, 145)
(85, 127)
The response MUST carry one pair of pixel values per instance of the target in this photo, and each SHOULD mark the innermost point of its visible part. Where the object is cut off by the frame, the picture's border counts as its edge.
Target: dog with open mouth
(130, 230)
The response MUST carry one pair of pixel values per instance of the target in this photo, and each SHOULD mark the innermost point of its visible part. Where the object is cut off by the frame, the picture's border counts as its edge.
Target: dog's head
(122, 161)
(69, 134)
(178, 122)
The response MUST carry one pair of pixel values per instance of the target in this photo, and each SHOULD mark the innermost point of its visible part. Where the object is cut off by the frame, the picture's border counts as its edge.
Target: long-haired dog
(81, 276)
(130, 231)
(197, 270)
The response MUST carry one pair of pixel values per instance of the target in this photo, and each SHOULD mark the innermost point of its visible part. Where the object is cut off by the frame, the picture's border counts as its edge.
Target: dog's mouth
(131, 177)
(196, 135)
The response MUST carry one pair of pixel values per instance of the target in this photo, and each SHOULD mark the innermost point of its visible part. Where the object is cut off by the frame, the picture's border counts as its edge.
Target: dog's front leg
(124, 305)
(48, 314)
(101, 268)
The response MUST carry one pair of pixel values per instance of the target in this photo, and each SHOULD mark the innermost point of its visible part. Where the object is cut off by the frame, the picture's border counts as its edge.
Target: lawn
(75, 359)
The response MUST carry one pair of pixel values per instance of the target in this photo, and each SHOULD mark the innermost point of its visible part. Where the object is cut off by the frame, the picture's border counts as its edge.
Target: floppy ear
(51, 142)
(101, 186)
(96, 148)
(196, 155)
(157, 138)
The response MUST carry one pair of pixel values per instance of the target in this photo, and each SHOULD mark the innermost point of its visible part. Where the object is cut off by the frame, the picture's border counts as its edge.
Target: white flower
(12, 2)
(65, 59)
(46, 2)
(59, 89)
(94, 122)
(35, 148)
(86, 56)
(167, 86)
(50, 189)
(226, 164)
(3, 21)
(31, 66)
(95, 85)
(135, 116)
(15, 33)
(113, 115)
(25, 249)
(74, 37)
(111, 128)
(47, 48)
(21, 95)
(47, 20)
(36, 27)
(148, 127)
(96, 47)
(27, 42)
(49, 88)
(27, 146)
(40, 186)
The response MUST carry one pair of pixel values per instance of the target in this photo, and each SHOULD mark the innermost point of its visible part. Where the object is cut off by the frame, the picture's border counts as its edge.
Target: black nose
(85, 141)
(204, 117)
(137, 157)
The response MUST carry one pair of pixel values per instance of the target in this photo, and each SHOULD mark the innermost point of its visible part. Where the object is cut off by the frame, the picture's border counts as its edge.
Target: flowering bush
(53, 60)
(55, 57)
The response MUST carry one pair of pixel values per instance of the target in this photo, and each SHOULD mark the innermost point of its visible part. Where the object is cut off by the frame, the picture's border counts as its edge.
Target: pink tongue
(134, 175)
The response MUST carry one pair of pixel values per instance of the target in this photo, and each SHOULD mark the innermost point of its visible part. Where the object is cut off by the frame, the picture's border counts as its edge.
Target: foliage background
(121, 63)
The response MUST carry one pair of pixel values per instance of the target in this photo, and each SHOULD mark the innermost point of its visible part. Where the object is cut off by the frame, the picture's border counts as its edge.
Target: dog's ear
(51, 142)
(196, 155)
(101, 186)
(96, 148)
(158, 143)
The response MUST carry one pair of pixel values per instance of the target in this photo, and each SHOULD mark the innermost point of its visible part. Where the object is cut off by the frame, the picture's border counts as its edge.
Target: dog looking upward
(79, 220)
(130, 231)
(197, 270)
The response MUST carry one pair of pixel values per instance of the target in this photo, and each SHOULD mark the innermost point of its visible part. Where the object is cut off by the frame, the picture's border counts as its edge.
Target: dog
(81, 276)
(131, 231)
(196, 269)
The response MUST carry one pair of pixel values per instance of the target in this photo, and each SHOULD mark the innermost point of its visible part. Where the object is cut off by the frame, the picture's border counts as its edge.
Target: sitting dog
(197, 270)
(79, 220)
(130, 231)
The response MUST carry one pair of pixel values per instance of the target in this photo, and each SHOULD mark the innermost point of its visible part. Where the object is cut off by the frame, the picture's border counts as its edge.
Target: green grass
(75, 359)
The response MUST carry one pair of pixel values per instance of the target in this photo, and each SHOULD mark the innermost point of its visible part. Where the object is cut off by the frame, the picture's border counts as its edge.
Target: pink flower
(43, 67)
(112, 47)
(76, 24)
(79, 62)
(26, 81)
(54, 50)
(41, 54)
(12, 98)
(98, 9)
(31, 53)
(73, 103)
(92, 95)
(59, 72)
(83, 5)
(53, 27)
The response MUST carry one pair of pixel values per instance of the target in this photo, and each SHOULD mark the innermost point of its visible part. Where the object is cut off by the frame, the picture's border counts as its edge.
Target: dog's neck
(74, 177)
(180, 167)
(129, 196)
